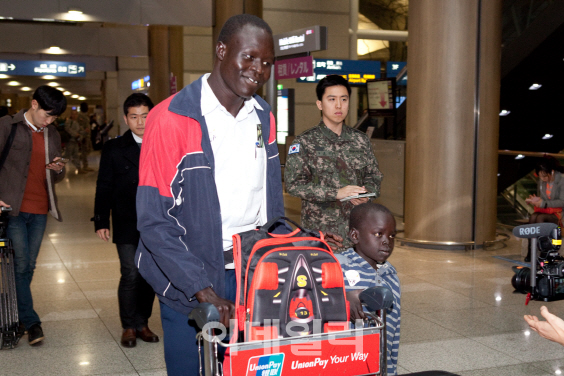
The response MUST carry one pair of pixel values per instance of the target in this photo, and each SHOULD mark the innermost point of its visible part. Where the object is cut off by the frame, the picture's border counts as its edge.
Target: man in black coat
(116, 189)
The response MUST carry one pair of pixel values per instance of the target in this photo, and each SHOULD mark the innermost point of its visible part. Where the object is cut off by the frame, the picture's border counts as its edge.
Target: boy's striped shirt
(386, 275)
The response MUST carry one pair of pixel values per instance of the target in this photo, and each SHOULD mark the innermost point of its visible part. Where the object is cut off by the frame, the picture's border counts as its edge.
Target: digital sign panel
(299, 41)
(141, 84)
(357, 72)
(392, 70)
(381, 97)
(42, 67)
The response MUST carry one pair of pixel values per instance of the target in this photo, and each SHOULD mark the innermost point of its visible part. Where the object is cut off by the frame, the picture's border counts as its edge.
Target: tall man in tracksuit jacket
(209, 168)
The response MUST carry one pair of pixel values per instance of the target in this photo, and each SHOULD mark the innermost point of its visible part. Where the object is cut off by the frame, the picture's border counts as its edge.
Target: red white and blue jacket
(178, 212)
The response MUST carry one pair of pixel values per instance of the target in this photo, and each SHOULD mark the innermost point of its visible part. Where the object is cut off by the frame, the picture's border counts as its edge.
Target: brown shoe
(128, 338)
(146, 335)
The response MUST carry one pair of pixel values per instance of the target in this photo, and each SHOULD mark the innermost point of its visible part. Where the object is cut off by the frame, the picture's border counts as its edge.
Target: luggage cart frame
(272, 357)
(9, 320)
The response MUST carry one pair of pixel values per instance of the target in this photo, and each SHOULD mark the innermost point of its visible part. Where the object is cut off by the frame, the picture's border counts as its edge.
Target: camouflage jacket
(319, 163)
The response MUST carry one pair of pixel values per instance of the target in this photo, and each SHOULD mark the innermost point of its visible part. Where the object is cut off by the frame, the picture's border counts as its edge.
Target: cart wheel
(331, 275)
(266, 276)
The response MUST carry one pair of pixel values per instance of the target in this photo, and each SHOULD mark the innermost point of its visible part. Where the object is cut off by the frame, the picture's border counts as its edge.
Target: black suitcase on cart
(9, 322)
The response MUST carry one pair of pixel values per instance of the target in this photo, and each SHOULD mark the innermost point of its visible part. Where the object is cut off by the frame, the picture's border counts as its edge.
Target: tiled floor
(459, 310)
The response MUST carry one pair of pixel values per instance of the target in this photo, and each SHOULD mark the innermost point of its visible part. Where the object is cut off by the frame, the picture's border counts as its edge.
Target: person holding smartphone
(27, 184)
(330, 164)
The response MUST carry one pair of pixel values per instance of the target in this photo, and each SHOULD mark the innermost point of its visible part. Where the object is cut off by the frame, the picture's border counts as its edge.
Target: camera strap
(8, 145)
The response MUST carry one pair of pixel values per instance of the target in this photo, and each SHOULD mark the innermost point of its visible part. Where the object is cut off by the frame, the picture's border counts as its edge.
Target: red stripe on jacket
(167, 139)
(272, 135)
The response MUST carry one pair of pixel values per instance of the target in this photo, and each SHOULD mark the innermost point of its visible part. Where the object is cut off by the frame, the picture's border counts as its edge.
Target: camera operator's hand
(355, 305)
(551, 329)
(225, 307)
(2, 203)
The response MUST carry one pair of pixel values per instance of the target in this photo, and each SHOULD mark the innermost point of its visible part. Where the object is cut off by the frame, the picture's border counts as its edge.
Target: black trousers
(135, 295)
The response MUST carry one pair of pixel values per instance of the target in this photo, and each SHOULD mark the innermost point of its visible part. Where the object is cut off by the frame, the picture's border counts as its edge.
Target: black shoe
(35, 334)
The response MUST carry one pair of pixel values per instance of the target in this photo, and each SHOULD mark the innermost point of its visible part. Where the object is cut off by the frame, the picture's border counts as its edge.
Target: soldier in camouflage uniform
(329, 162)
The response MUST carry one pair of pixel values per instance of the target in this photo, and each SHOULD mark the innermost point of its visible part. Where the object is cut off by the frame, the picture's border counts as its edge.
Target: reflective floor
(459, 313)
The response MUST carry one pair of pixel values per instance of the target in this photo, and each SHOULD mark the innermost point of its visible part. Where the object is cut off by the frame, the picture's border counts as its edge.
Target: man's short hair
(136, 100)
(84, 107)
(331, 80)
(359, 213)
(50, 100)
(237, 22)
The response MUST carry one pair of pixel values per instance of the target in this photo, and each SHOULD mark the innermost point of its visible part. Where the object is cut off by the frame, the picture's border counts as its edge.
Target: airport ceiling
(69, 12)
(88, 87)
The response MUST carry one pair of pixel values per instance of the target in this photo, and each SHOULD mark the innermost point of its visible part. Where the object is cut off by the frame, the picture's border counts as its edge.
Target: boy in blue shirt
(372, 229)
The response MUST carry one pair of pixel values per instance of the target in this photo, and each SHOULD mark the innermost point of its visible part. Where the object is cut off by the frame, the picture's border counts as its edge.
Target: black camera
(548, 269)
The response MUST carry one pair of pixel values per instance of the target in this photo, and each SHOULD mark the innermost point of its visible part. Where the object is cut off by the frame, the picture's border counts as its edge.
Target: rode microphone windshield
(534, 230)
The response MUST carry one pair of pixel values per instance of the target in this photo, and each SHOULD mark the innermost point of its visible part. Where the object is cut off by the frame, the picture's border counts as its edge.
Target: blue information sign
(357, 72)
(392, 70)
(42, 67)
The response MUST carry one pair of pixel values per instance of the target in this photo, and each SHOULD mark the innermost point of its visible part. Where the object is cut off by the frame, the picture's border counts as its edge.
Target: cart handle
(204, 313)
(377, 298)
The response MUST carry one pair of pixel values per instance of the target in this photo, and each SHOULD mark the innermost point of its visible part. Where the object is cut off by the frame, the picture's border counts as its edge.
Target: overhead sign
(392, 70)
(293, 68)
(141, 84)
(299, 41)
(357, 72)
(42, 67)
(381, 95)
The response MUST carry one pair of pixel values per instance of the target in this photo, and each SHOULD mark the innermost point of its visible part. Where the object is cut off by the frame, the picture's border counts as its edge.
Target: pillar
(452, 120)
(227, 8)
(353, 55)
(110, 103)
(165, 57)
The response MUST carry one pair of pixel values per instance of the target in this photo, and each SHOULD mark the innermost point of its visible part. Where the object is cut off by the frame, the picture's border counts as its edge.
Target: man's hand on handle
(225, 307)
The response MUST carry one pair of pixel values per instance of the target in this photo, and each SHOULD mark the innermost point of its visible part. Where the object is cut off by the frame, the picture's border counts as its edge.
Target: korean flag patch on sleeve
(294, 149)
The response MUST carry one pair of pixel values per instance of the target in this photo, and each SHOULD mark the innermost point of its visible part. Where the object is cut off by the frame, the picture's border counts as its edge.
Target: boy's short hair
(237, 22)
(359, 212)
(331, 80)
(50, 100)
(84, 107)
(136, 100)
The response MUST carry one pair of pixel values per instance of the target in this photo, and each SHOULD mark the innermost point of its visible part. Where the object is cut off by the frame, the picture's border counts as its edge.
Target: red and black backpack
(285, 282)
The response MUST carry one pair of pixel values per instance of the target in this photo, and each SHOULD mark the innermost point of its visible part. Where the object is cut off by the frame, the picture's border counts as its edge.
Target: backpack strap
(8, 145)
(266, 227)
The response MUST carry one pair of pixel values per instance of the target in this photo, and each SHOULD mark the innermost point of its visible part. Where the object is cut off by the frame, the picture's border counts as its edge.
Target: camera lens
(521, 281)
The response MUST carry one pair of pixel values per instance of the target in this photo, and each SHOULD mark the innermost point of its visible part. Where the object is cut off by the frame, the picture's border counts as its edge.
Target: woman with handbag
(550, 200)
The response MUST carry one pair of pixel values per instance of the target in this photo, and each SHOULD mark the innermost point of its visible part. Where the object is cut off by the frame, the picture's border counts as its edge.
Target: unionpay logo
(265, 365)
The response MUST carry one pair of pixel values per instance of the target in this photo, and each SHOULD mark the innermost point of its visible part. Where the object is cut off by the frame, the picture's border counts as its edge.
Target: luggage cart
(9, 321)
(359, 351)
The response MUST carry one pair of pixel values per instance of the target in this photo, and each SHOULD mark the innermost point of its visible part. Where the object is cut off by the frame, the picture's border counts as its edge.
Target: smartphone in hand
(63, 160)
